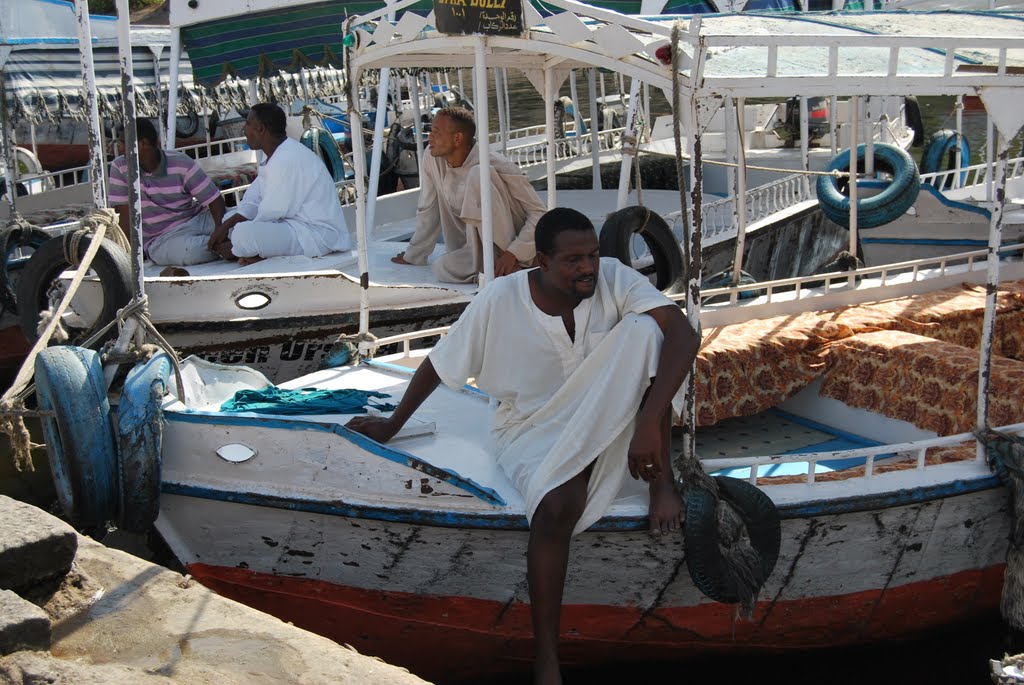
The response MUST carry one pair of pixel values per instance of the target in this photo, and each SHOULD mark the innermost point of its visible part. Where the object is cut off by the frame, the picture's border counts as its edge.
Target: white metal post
(549, 132)
(499, 88)
(482, 126)
(627, 135)
(741, 195)
(854, 116)
(595, 127)
(805, 159)
(378, 145)
(131, 142)
(172, 88)
(96, 176)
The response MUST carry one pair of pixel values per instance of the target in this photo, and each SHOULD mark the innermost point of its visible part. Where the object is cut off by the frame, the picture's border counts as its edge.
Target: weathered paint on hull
(429, 596)
(453, 638)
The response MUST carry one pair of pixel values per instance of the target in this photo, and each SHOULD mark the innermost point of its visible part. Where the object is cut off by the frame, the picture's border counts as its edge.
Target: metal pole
(576, 115)
(359, 154)
(131, 143)
(414, 96)
(172, 90)
(805, 159)
(378, 145)
(741, 196)
(627, 135)
(833, 108)
(995, 236)
(549, 133)
(484, 151)
(9, 161)
(96, 166)
(869, 139)
(499, 88)
(854, 116)
(595, 126)
(959, 136)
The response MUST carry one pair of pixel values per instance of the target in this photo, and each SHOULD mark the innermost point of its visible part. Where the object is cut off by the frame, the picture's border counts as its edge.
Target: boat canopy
(42, 69)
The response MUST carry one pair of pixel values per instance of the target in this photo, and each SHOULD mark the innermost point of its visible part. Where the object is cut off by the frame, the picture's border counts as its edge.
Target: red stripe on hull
(448, 638)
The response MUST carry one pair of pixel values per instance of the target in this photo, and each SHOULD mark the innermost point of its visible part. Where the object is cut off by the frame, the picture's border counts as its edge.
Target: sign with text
(487, 17)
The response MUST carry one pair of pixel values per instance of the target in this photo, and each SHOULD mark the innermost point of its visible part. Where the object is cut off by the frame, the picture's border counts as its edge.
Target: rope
(742, 562)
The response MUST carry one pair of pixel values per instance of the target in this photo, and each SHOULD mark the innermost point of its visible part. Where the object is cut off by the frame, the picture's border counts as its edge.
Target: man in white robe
(449, 205)
(584, 356)
(292, 207)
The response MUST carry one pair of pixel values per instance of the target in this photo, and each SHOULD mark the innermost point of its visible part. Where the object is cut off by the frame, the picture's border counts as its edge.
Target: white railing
(974, 175)
(539, 131)
(346, 193)
(888, 454)
(54, 180)
(719, 216)
(799, 287)
(214, 147)
(533, 154)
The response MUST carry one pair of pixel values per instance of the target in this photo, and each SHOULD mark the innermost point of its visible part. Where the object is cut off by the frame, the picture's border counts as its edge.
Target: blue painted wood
(372, 446)
(79, 437)
(139, 433)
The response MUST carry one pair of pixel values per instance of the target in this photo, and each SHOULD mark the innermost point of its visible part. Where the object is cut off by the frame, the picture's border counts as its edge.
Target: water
(957, 656)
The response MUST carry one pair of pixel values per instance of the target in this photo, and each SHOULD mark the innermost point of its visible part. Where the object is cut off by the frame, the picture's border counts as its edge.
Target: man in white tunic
(584, 356)
(449, 204)
(292, 207)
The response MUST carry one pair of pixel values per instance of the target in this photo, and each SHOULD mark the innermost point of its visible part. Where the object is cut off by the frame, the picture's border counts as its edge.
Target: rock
(30, 668)
(34, 546)
(23, 625)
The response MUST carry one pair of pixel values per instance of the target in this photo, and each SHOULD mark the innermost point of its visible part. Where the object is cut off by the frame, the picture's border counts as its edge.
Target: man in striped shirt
(181, 207)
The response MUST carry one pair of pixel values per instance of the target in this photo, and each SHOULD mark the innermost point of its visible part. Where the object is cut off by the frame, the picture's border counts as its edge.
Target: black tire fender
(617, 234)
(111, 264)
(11, 240)
(704, 558)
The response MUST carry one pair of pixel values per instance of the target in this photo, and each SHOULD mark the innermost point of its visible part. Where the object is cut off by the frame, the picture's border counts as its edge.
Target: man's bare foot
(546, 671)
(174, 271)
(399, 258)
(666, 511)
(246, 261)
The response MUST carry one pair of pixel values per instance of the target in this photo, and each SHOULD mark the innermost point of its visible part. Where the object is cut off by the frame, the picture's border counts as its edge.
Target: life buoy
(79, 438)
(186, 125)
(617, 234)
(12, 240)
(704, 557)
(912, 117)
(111, 265)
(139, 434)
(321, 142)
(891, 203)
(942, 146)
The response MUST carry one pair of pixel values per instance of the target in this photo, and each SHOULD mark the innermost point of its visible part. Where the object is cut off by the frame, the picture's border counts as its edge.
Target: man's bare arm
(381, 428)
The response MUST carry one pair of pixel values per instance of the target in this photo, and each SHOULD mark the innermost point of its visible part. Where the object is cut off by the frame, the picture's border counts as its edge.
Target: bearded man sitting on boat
(292, 208)
(584, 356)
(449, 204)
(181, 208)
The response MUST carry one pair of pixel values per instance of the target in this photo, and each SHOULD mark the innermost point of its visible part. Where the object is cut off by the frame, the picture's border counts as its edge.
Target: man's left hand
(643, 457)
(506, 263)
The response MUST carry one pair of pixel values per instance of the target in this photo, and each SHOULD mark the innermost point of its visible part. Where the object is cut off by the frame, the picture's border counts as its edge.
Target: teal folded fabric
(274, 400)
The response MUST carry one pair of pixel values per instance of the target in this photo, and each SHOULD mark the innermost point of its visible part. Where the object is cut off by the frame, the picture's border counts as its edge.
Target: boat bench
(746, 368)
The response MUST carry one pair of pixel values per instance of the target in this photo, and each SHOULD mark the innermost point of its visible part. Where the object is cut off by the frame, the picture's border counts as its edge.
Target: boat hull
(450, 601)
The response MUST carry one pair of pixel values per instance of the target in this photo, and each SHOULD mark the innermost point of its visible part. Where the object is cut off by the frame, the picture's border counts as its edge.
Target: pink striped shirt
(177, 191)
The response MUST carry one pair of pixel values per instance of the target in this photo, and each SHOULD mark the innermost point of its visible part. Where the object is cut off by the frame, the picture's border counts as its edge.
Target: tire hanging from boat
(708, 566)
(111, 265)
(139, 437)
(79, 438)
(321, 142)
(878, 210)
(11, 239)
(617, 235)
(942, 147)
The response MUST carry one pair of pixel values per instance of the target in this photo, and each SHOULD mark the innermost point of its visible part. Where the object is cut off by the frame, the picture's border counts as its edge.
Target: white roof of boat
(742, 55)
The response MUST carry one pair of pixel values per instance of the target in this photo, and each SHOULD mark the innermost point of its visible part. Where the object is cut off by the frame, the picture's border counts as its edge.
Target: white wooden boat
(892, 521)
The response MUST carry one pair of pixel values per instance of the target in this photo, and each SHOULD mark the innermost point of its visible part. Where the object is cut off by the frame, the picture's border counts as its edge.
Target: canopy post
(172, 88)
(805, 158)
(355, 121)
(499, 89)
(378, 144)
(628, 147)
(595, 127)
(995, 236)
(577, 117)
(549, 132)
(854, 118)
(96, 166)
(484, 152)
(958, 150)
(741, 196)
(131, 143)
(9, 161)
(413, 83)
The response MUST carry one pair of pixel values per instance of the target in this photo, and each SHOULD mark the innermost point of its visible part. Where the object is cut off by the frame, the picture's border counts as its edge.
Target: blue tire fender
(938, 153)
(79, 436)
(139, 440)
(878, 210)
(321, 142)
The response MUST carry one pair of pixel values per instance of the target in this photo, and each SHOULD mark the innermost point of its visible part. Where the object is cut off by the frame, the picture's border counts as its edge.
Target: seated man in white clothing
(449, 204)
(292, 207)
(548, 344)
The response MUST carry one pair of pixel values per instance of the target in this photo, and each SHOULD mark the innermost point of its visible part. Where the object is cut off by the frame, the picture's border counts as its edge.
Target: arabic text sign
(487, 17)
